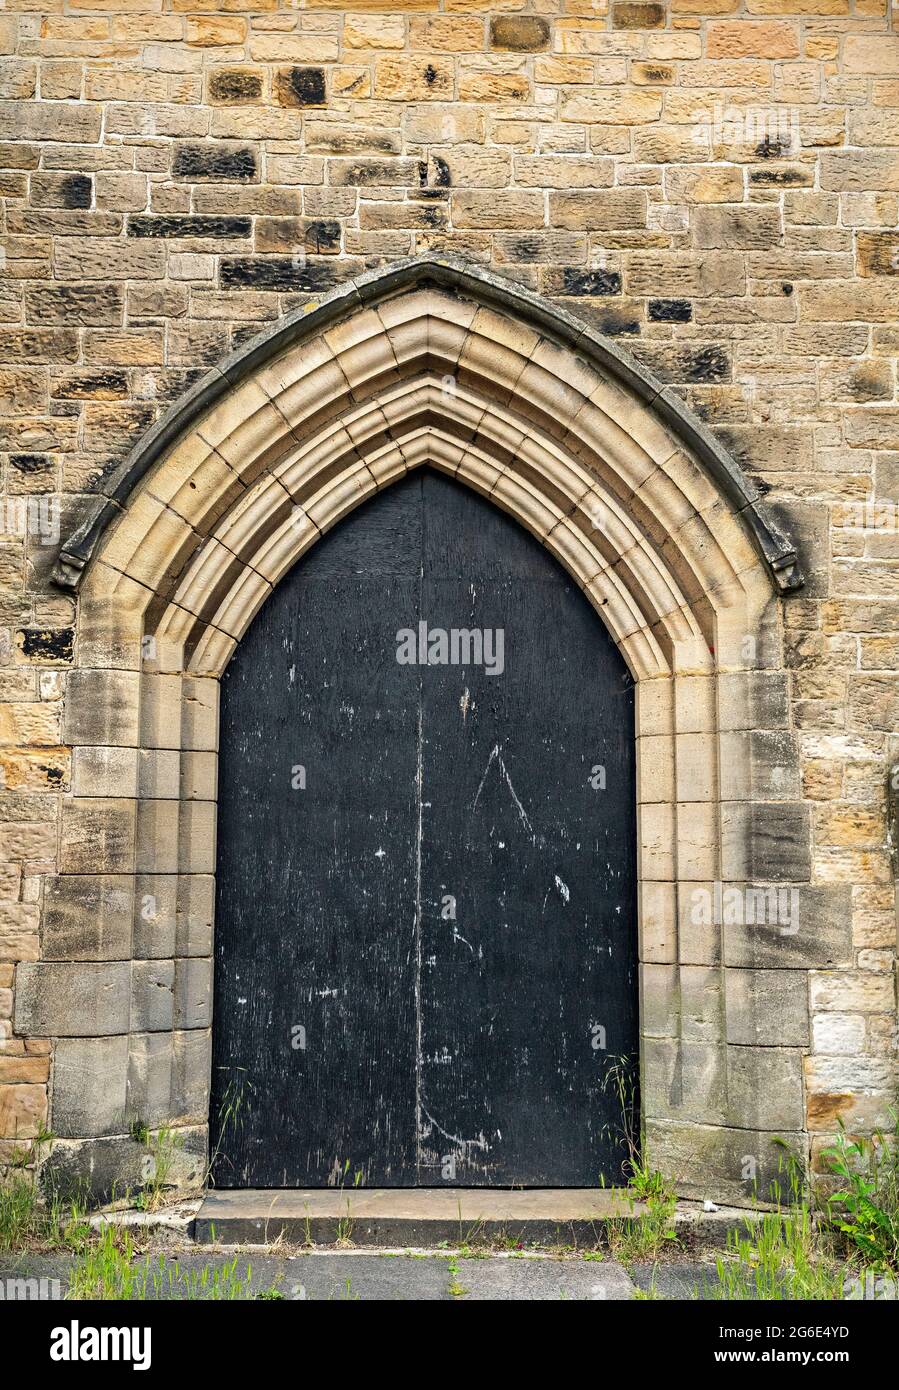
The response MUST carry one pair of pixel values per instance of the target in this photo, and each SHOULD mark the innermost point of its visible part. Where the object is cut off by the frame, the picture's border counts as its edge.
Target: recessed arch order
(429, 361)
(432, 360)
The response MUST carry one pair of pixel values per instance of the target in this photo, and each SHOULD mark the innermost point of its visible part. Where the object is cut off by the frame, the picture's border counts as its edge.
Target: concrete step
(427, 1217)
(349, 1275)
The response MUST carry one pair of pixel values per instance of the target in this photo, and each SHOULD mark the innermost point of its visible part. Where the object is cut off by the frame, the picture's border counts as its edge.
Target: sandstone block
(88, 917)
(406, 79)
(152, 995)
(767, 1008)
(97, 835)
(80, 999)
(89, 1086)
(23, 1110)
(752, 39)
(520, 33)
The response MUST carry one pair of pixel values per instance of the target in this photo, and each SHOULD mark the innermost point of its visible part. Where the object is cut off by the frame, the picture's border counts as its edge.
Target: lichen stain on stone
(828, 1108)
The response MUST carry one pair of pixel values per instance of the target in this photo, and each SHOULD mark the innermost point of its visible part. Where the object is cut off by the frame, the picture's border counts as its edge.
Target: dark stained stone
(708, 364)
(91, 386)
(323, 237)
(91, 304)
(520, 33)
(214, 162)
(626, 15)
(670, 310)
(235, 85)
(76, 191)
(782, 178)
(300, 86)
(590, 282)
(189, 226)
(46, 644)
(276, 273)
(30, 464)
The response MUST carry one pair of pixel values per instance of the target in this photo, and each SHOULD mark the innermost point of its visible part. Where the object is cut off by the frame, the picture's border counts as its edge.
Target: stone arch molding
(427, 362)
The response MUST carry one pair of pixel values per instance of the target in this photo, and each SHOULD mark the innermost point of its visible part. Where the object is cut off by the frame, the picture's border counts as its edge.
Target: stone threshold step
(424, 1217)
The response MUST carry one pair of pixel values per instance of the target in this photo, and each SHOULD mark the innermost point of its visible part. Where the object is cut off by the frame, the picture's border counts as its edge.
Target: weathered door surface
(425, 936)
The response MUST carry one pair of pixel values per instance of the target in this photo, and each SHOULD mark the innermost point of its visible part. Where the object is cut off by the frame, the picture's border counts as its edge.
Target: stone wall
(713, 183)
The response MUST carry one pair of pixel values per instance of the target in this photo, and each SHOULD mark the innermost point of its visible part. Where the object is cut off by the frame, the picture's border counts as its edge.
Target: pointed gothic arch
(427, 362)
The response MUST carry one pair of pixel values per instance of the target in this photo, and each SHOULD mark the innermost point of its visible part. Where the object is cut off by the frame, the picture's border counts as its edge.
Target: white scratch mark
(416, 926)
(465, 703)
(464, 1144)
(523, 815)
(564, 891)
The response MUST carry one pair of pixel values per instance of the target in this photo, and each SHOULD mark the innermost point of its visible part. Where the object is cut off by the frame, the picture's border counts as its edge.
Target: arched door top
(356, 312)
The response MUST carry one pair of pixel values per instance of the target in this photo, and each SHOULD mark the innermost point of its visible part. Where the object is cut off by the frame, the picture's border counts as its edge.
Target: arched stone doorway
(431, 362)
(425, 928)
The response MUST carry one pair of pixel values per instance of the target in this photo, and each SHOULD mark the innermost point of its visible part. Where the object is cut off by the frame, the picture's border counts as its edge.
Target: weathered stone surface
(102, 707)
(403, 79)
(19, 939)
(72, 999)
(853, 1091)
(40, 768)
(765, 842)
(636, 14)
(767, 1008)
(498, 209)
(155, 915)
(23, 1110)
(89, 1087)
(860, 990)
(300, 86)
(606, 211)
(113, 771)
(196, 900)
(612, 106)
(685, 1081)
(813, 929)
(216, 228)
(215, 31)
(747, 228)
(152, 995)
(521, 33)
(740, 1164)
(80, 258)
(35, 724)
(838, 1034)
(28, 1070)
(99, 1169)
(97, 836)
(764, 1087)
(235, 86)
(374, 31)
(871, 53)
(193, 993)
(50, 120)
(191, 1074)
(88, 917)
(67, 304)
(229, 162)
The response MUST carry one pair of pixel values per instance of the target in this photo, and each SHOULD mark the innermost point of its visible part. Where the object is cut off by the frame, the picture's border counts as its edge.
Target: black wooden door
(425, 943)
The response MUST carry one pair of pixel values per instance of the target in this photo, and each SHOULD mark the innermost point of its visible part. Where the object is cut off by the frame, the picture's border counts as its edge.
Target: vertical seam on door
(419, 799)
